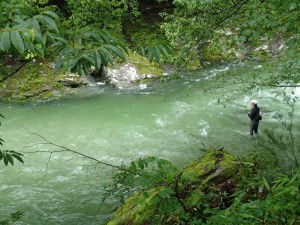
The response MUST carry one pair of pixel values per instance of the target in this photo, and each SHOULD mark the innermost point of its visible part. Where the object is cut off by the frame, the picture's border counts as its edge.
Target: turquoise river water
(171, 120)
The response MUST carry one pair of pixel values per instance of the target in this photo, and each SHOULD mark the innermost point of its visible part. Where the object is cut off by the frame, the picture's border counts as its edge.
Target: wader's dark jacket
(254, 121)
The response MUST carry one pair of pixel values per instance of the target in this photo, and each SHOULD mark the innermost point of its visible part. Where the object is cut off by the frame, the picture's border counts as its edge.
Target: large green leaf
(10, 158)
(39, 39)
(18, 157)
(88, 59)
(52, 14)
(60, 63)
(86, 66)
(4, 41)
(106, 56)
(5, 160)
(34, 24)
(105, 36)
(29, 46)
(141, 50)
(97, 59)
(49, 22)
(164, 52)
(73, 63)
(39, 51)
(116, 51)
(157, 53)
(150, 54)
(17, 41)
(95, 36)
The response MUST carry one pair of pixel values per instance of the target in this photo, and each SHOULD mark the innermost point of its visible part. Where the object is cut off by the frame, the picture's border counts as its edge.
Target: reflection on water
(171, 120)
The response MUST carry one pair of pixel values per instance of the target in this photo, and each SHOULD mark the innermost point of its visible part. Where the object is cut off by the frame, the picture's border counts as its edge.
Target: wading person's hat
(254, 102)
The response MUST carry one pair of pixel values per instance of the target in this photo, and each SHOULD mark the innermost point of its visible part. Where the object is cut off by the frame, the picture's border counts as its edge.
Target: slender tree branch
(16, 71)
(65, 149)
(209, 35)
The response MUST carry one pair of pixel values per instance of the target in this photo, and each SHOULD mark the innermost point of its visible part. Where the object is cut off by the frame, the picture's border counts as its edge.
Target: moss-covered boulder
(207, 181)
(36, 81)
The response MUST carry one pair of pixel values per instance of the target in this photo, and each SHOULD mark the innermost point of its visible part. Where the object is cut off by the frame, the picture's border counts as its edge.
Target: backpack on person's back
(259, 117)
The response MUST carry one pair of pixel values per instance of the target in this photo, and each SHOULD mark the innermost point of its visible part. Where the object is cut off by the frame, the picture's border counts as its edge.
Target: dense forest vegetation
(82, 36)
(78, 35)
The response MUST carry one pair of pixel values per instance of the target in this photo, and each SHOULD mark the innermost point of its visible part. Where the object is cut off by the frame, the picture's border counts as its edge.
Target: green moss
(193, 64)
(194, 198)
(214, 167)
(225, 169)
(48, 95)
(214, 53)
(200, 167)
(35, 81)
(137, 208)
(142, 64)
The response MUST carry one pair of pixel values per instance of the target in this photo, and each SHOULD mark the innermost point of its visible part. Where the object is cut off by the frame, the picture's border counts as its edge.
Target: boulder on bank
(214, 173)
(126, 76)
(137, 70)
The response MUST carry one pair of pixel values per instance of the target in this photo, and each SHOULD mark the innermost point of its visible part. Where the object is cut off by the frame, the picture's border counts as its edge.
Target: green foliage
(280, 205)
(108, 14)
(8, 155)
(87, 47)
(22, 30)
(14, 217)
(156, 50)
(144, 173)
(196, 24)
(192, 194)
(163, 195)
(177, 200)
(270, 18)
(80, 42)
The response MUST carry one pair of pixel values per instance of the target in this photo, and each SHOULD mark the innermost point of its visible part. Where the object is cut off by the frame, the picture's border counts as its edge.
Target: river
(172, 120)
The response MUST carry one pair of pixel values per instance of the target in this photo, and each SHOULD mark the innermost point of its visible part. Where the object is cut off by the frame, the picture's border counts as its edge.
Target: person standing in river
(254, 117)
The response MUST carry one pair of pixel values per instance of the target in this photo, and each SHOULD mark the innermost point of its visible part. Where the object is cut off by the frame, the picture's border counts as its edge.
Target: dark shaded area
(148, 6)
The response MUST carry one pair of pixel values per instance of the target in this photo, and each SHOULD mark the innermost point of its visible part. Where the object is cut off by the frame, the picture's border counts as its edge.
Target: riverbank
(35, 80)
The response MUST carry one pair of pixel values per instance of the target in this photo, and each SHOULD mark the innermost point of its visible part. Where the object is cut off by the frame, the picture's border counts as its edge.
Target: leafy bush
(144, 173)
(14, 217)
(8, 155)
(24, 30)
(280, 205)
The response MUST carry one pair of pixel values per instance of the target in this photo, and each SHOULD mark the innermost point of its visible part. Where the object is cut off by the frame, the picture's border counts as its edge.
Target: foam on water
(115, 127)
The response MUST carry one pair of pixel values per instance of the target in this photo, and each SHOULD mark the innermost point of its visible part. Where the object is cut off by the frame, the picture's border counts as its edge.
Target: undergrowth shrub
(279, 205)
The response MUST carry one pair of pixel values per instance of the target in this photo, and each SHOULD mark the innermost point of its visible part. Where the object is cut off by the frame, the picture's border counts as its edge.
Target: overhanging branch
(66, 149)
